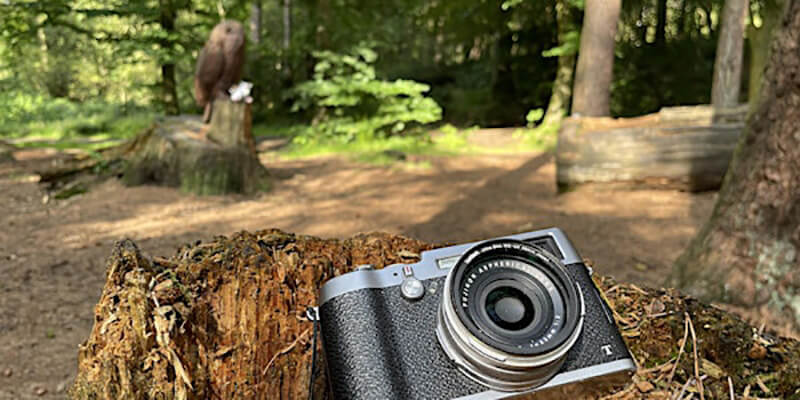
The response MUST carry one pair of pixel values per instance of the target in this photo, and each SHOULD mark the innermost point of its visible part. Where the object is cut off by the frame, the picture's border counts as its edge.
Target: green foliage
(65, 122)
(534, 116)
(349, 101)
(572, 42)
(542, 137)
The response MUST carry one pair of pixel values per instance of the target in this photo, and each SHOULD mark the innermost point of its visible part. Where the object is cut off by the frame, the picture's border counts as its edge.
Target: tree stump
(224, 320)
(686, 148)
(6, 152)
(182, 152)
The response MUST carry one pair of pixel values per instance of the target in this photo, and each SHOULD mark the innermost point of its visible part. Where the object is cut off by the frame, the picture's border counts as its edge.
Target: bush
(347, 101)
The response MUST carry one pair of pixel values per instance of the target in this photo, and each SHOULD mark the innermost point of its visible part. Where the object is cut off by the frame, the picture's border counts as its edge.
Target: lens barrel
(509, 314)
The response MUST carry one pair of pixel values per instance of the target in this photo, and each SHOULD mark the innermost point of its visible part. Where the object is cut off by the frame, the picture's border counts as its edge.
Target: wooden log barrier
(686, 148)
(224, 320)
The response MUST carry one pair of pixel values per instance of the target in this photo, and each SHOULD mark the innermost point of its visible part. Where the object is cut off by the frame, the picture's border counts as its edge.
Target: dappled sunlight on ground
(52, 254)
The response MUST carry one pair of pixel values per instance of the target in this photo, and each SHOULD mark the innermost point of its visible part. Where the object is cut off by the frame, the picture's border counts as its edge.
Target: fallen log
(686, 148)
(224, 320)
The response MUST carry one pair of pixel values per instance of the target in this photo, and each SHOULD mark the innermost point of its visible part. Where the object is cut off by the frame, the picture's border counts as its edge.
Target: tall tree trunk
(169, 88)
(255, 22)
(661, 22)
(681, 18)
(287, 23)
(758, 39)
(728, 63)
(562, 86)
(747, 253)
(596, 58)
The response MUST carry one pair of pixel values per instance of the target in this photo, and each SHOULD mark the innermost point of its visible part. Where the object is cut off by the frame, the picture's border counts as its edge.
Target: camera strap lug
(312, 314)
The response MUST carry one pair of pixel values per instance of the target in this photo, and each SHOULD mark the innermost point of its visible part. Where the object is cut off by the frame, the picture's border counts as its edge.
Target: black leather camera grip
(380, 346)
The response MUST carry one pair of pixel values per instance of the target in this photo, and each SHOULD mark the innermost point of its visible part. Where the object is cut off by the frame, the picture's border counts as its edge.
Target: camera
(501, 318)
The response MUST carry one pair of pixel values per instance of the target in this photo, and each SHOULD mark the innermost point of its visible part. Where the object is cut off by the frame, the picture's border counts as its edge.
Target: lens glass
(509, 308)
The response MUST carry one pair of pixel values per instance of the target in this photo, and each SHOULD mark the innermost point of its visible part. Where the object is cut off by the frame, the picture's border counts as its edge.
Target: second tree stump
(204, 159)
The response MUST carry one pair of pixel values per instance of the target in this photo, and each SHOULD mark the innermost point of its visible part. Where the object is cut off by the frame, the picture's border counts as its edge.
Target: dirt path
(52, 255)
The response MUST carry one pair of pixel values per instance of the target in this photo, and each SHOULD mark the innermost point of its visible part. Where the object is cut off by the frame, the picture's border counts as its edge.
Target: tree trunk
(169, 88)
(255, 22)
(661, 23)
(287, 23)
(562, 86)
(747, 253)
(224, 320)
(596, 58)
(759, 40)
(728, 63)
(182, 152)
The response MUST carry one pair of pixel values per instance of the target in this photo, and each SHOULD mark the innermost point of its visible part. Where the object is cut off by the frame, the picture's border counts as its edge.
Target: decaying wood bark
(224, 320)
(204, 159)
(685, 148)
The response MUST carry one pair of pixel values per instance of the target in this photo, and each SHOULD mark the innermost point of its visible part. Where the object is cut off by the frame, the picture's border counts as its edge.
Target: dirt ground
(52, 253)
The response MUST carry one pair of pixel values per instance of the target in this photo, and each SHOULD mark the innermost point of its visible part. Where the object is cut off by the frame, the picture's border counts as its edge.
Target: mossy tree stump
(686, 148)
(183, 152)
(224, 320)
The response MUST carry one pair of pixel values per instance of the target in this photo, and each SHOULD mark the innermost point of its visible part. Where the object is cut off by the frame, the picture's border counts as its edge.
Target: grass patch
(542, 137)
(447, 140)
(39, 121)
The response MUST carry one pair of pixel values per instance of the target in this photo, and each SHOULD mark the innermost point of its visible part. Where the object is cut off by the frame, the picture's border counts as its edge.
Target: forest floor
(52, 252)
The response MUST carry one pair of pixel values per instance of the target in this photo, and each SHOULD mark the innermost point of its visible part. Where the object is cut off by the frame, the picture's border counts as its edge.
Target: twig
(680, 352)
(696, 361)
(730, 388)
(683, 389)
(285, 350)
(612, 289)
(761, 385)
(638, 289)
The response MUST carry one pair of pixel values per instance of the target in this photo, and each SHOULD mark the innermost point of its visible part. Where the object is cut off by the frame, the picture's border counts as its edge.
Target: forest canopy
(486, 63)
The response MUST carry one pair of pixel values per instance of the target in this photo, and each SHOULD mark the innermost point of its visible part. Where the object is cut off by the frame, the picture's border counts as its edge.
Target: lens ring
(488, 263)
(482, 349)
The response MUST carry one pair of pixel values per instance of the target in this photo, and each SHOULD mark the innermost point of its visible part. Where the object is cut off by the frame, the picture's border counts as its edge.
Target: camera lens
(509, 314)
(509, 308)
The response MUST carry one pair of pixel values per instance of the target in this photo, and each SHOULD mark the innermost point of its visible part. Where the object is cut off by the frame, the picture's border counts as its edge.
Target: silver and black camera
(487, 320)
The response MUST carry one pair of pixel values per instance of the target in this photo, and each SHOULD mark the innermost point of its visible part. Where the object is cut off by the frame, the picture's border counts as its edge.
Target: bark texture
(287, 23)
(686, 148)
(759, 39)
(224, 320)
(728, 63)
(558, 105)
(591, 94)
(169, 86)
(747, 253)
(202, 159)
(255, 22)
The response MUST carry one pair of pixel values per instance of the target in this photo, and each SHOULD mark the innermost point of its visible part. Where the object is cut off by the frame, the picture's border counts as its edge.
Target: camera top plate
(437, 263)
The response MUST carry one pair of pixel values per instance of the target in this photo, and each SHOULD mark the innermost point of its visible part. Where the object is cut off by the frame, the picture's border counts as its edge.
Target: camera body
(386, 333)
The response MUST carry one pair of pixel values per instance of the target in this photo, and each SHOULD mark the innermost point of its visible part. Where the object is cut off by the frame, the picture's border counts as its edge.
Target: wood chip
(644, 386)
